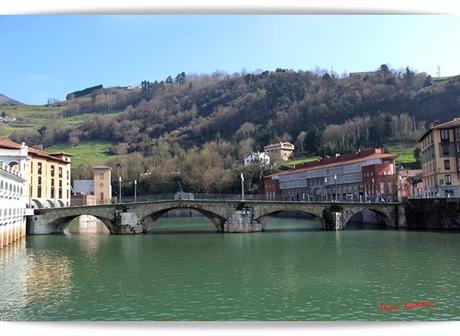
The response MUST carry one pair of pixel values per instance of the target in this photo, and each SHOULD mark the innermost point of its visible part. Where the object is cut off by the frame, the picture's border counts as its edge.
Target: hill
(203, 125)
(4, 100)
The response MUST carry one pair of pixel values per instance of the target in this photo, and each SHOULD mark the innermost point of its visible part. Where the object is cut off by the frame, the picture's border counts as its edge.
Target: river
(187, 271)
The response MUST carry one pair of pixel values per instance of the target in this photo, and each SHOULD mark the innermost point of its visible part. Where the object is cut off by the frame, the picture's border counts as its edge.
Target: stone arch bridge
(227, 216)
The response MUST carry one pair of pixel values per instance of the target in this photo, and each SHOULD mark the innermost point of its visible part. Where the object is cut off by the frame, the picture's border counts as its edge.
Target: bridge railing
(220, 197)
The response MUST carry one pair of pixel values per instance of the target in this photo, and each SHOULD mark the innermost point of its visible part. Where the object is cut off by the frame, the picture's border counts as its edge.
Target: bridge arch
(353, 217)
(61, 223)
(153, 214)
(264, 214)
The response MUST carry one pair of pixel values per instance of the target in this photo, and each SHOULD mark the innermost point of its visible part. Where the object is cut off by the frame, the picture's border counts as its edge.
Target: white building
(260, 158)
(13, 191)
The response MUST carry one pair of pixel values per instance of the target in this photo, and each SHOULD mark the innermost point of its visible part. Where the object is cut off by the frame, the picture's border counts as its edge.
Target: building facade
(103, 184)
(362, 176)
(95, 191)
(410, 184)
(257, 158)
(13, 200)
(440, 158)
(279, 151)
(47, 176)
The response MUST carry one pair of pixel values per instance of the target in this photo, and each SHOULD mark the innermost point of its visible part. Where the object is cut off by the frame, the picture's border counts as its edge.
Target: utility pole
(119, 189)
(135, 191)
(242, 187)
(335, 178)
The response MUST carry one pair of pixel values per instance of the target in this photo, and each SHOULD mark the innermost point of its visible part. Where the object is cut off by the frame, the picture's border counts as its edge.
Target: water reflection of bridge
(228, 214)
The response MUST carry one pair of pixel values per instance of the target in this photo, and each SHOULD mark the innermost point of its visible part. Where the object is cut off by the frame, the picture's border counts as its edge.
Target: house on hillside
(279, 151)
(257, 158)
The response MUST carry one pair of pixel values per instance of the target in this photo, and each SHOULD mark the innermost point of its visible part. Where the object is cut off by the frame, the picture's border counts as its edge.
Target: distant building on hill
(279, 151)
(364, 74)
(257, 158)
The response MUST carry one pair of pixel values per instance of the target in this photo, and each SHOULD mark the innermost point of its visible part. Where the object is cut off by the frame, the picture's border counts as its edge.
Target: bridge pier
(127, 222)
(242, 221)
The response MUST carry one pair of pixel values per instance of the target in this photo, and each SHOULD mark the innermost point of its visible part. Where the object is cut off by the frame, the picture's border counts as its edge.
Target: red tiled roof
(348, 158)
(60, 153)
(279, 144)
(7, 143)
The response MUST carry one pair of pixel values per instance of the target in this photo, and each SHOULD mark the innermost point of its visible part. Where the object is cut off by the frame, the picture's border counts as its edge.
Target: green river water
(186, 271)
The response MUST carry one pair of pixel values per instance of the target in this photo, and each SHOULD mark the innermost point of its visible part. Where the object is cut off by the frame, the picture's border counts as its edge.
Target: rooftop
(7, 143)
(280, 144)
(453, 123)
(338, 160)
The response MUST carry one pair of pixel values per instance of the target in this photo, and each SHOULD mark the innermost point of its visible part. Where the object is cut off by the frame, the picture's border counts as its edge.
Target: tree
(300, 140)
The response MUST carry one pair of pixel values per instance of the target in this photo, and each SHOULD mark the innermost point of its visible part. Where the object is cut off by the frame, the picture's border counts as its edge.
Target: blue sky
(48, 56)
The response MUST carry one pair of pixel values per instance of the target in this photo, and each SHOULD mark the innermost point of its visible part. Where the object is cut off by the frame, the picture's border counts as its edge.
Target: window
(444, 135)
(39, 192)
(445, 150)
(39, 170)
(31, 167)
(60, 172)
(52, 171)
(52, 192)
(457, 133)
(448, 180)
(39, 181)
(447, 164)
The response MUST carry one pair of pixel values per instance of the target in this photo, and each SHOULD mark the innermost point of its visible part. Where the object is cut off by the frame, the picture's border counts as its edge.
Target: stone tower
(103, 184)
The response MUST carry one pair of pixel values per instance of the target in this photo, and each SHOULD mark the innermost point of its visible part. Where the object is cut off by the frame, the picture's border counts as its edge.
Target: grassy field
(88, 152)
(297, 162)
(405, 153)
(36, 116)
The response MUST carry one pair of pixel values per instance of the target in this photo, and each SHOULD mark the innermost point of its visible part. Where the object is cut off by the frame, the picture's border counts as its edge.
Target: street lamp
(242, 186)
(135, 191)
(335, 178)
(119, 189)
(373, 190)
(325, 186)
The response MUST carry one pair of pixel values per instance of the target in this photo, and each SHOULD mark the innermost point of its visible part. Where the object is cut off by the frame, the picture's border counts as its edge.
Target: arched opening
(366, 219)
(37, 204)
(182, 220)
(85, 225)
(14, 166)
(50, 204)
(290, 221)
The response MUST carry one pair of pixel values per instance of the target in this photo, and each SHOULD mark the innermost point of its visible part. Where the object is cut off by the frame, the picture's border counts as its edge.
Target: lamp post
(119, 189)
(373, 190)
(335, 178)
(135, 191)
(325, 186)
(242, 186)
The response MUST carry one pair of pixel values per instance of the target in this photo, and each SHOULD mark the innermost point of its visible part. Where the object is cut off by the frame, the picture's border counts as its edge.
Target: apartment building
(440, 158)
(47, 176)
(368, 175)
